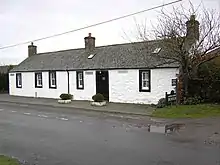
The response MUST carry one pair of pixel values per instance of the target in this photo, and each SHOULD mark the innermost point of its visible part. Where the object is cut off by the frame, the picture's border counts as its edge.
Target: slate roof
(120, 56)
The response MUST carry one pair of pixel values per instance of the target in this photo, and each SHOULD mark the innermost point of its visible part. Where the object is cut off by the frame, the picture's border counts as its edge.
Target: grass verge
(4, 160)
(188, 111)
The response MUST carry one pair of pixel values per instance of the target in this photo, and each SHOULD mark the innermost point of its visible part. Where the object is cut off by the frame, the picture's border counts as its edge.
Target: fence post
(177, 91)
(166, 98)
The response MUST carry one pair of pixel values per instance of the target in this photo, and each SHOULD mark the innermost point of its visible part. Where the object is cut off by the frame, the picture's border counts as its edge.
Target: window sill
(51, 87)
(144, 90)
(38, 86)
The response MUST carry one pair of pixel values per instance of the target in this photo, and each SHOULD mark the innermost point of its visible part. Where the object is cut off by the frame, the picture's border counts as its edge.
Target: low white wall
(28, 85)
(89, 85)
(124, 85)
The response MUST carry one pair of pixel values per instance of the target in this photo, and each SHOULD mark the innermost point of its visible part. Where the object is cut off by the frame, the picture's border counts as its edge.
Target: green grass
(8, 161)
(188, 111)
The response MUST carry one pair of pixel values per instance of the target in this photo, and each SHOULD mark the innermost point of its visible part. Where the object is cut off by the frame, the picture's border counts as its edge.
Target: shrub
(98, 97)
(161, 103)
(66, 96)
(193, 100)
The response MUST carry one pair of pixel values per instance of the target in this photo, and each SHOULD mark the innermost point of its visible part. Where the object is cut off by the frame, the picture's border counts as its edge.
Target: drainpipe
(68, 84)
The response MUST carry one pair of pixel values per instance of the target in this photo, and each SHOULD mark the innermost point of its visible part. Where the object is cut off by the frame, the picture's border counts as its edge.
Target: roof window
(157, 50)
(91, 56)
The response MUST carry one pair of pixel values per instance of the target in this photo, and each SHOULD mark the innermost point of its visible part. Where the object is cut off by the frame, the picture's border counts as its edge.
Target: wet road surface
(39, 135)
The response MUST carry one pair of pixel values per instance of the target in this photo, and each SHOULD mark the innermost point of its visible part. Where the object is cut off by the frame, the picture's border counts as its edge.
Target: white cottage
(120, 72)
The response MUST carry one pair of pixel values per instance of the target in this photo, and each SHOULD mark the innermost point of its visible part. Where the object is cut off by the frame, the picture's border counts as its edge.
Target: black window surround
(79, 80)
(18, 80)
(38, 80)
(144, 80)
(52, 80)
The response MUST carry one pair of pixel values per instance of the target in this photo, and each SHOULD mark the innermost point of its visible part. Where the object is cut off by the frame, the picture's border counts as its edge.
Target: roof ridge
(64, 50)
(129, 43)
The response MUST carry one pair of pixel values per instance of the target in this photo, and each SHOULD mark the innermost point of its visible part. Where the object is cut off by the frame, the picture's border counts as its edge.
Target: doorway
(102, 83)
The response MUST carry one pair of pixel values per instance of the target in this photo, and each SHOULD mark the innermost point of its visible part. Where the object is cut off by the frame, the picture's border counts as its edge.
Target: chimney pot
(192, 29)
(89, 43)
(193, 17)
(32, 50)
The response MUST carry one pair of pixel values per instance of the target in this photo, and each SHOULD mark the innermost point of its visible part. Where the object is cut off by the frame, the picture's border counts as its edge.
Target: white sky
(24, 20)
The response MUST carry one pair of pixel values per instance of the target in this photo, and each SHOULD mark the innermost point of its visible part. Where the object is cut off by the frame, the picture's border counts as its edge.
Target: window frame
(52, 86)
(17, 84)
(36, 80)
(141, 88)
(78, 85)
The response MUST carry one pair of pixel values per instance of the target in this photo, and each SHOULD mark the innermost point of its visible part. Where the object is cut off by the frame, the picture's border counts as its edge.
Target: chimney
(192, 29)
(32, 50)
(89, 43)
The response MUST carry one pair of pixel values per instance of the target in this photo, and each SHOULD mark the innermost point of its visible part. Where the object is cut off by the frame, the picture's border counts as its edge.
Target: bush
(208, 90)
(98, 97)
(193, 100)
(4, 82)
(66, 96)
(161, 103)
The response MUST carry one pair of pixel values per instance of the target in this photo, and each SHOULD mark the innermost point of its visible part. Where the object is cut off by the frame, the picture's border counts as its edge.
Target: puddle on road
(156, 129)
(213, 139)
(169, 128)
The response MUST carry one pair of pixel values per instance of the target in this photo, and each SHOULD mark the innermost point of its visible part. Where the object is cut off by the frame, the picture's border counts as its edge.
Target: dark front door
(102, 85)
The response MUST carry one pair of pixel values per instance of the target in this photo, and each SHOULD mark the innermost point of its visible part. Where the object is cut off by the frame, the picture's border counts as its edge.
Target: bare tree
(187, 37)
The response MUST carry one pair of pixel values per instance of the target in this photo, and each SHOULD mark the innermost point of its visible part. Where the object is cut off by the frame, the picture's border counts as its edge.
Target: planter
(99, 104)
(64, 101)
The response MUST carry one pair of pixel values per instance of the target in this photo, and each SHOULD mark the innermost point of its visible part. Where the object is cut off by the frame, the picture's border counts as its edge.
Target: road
(50, 136)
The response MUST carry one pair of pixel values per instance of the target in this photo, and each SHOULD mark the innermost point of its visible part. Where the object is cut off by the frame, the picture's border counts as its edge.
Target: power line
(96, 24)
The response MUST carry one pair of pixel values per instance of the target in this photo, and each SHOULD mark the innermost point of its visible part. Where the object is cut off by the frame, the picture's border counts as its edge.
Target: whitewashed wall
(89, 85)
(124, 85)
(28, 85)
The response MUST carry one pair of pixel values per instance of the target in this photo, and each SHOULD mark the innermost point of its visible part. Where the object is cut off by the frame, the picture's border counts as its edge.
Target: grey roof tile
(131, 55)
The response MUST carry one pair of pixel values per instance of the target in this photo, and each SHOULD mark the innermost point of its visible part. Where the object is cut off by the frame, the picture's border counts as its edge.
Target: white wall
(124, 85)
(89, 85)
(28, 85)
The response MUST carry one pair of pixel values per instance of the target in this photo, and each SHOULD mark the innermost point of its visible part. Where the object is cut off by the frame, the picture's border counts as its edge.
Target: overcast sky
(24, 20)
